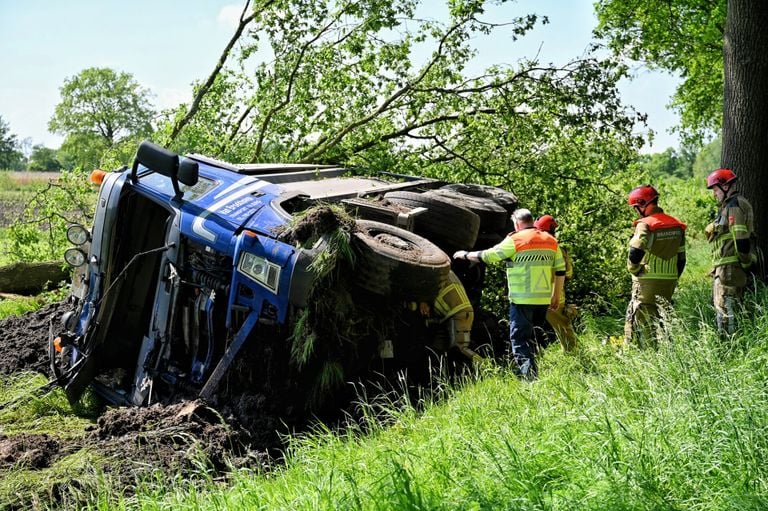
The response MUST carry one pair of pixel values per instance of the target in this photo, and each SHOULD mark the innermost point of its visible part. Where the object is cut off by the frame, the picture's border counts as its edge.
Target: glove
(710, 231)
(461, 254)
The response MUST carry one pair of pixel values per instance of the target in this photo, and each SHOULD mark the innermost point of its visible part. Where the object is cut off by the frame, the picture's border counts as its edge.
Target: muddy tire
(447, 225)
(493, 216)
(397, 263)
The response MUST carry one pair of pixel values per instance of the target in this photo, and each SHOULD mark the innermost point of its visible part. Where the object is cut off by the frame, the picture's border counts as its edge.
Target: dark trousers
(526, 332)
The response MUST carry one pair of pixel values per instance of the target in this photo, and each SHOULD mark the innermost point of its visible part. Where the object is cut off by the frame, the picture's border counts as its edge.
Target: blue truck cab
(184, 264)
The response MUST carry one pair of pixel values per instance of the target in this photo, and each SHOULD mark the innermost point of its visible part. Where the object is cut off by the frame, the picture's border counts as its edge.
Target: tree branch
(203, 90)
(288, 93)
(325, 143)
(405, 131)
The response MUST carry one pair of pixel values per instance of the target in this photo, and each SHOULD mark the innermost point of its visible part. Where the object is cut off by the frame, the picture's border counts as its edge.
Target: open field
(25, 179)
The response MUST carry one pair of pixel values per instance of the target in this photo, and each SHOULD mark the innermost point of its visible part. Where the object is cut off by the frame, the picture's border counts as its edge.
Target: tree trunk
(745, 105)
(31, 278)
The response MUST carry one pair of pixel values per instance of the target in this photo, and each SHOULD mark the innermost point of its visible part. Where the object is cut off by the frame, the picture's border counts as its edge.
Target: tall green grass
(681, 427)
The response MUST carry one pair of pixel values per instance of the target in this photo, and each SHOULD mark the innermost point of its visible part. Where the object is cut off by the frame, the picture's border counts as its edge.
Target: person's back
(656, 260)
(529, 255)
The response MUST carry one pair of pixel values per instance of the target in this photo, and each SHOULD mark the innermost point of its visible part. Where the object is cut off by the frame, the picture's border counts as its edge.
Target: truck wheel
(449, 226)
(500, 196)
(493, 216)
(487, 240)
(394, 262)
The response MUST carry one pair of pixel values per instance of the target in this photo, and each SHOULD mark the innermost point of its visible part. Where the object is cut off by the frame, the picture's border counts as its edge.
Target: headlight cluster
(259, 269)
(77, 235)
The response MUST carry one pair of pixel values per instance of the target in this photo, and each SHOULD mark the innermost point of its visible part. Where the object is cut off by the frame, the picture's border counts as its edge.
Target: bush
(40, 232)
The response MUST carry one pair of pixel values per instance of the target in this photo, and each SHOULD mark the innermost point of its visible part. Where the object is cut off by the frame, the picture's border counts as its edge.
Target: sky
(168, 44)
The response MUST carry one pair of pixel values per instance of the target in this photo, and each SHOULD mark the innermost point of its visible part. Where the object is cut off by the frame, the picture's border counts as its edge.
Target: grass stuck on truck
(205, 278)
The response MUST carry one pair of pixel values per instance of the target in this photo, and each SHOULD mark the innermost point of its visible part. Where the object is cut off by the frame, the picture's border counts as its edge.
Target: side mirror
(188, 172)
(165, 162)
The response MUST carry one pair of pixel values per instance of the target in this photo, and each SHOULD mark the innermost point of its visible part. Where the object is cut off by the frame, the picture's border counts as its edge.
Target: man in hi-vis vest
(656, 260)
(535, 277)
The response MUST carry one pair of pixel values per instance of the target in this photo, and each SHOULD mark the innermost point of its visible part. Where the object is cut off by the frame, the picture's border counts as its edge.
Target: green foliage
(82, 150)
(28, 410)
(39, 234)
(708, 159)
(44, 158)
(11, 157)
(101, 110)
(681, 36)
(324, 333)
(344, 88)
(17, 306)
(690, 201)
(670, 163)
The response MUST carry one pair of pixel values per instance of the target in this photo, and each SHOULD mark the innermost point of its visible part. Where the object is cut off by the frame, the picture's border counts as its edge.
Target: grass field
(682, 427)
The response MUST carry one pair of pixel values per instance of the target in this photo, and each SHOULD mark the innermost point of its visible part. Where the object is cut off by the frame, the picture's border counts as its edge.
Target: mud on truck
(195, 279)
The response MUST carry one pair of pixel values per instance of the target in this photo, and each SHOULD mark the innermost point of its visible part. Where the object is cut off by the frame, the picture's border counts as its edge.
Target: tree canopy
(10, 155)
(681, 36)
(103, 114)
(372, 84)
(44, 158)
(105, 103)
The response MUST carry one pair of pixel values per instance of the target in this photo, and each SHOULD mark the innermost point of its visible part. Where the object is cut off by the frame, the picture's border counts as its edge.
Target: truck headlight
(78, 235)
(74, 257)
(259, 269)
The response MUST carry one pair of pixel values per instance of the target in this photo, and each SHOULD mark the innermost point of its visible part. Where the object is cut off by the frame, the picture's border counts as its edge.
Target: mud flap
(221, 368)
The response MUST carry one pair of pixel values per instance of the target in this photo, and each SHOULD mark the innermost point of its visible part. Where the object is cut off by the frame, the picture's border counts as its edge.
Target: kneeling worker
(453, 305)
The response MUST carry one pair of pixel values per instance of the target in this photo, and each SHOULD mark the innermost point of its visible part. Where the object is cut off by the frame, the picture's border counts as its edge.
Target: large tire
(487, 240)
(397, 263)
(447, 225)
(500, 196)
(493, 216)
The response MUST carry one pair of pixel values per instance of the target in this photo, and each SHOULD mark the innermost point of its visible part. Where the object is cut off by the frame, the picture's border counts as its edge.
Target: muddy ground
(177, 438)
(236, 429)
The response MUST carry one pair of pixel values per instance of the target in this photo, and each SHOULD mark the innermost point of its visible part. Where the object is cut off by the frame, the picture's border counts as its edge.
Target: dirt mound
(182, 437)
(24, 339)
(29, 451)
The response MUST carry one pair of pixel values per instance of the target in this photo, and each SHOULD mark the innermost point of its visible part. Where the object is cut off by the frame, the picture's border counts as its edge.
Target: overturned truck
(195, 280)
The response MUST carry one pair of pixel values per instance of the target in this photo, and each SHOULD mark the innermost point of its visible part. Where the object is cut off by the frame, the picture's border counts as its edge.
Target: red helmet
(720, 177)
(642, 196)
(545, 223)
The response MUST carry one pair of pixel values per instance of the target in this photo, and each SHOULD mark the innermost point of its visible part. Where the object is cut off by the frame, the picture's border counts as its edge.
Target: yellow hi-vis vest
(532, 258)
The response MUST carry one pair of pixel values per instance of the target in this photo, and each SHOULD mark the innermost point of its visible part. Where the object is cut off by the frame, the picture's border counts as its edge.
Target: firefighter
(453, 306)
(656, 259)
(560, 318)
(535, 278)
(453, 311)
(732, 248)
